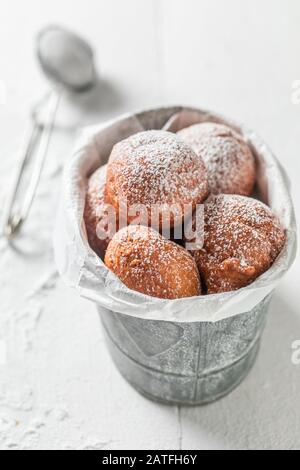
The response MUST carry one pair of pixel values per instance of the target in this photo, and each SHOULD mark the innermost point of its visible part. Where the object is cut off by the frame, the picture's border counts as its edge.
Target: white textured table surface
(58, 386)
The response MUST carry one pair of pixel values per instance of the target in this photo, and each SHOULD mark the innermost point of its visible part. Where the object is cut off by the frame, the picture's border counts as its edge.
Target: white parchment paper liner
(83, 270)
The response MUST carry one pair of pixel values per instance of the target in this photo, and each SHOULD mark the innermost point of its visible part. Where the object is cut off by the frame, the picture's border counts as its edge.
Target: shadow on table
(264, 411)
(100, 103)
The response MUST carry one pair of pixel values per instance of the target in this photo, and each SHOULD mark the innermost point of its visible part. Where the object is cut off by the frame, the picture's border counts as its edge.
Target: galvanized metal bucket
(184, 363)
(212, 346)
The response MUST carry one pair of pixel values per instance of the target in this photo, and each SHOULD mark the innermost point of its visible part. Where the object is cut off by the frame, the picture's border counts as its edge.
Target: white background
(58, 387)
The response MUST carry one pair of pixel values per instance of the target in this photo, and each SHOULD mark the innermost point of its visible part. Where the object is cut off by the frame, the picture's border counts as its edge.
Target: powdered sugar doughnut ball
(99, 225)
(155, 168)
(149, 263)
(242, 238)
(229, 161)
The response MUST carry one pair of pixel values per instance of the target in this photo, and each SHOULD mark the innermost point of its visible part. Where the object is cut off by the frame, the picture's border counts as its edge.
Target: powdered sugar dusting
(149, 263)
(242, 239)
(155, 167)
(229, 160)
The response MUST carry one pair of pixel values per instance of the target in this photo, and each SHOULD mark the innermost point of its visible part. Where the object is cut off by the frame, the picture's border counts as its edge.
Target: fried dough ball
(229, 161)
(99, 222)
(242, 238)
(149, 263)
(157, 170)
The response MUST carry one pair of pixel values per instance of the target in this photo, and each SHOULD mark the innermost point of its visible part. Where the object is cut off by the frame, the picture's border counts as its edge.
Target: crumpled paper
(83, 270)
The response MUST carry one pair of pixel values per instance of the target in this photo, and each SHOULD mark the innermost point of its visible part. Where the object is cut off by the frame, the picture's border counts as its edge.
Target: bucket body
(184, 363)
